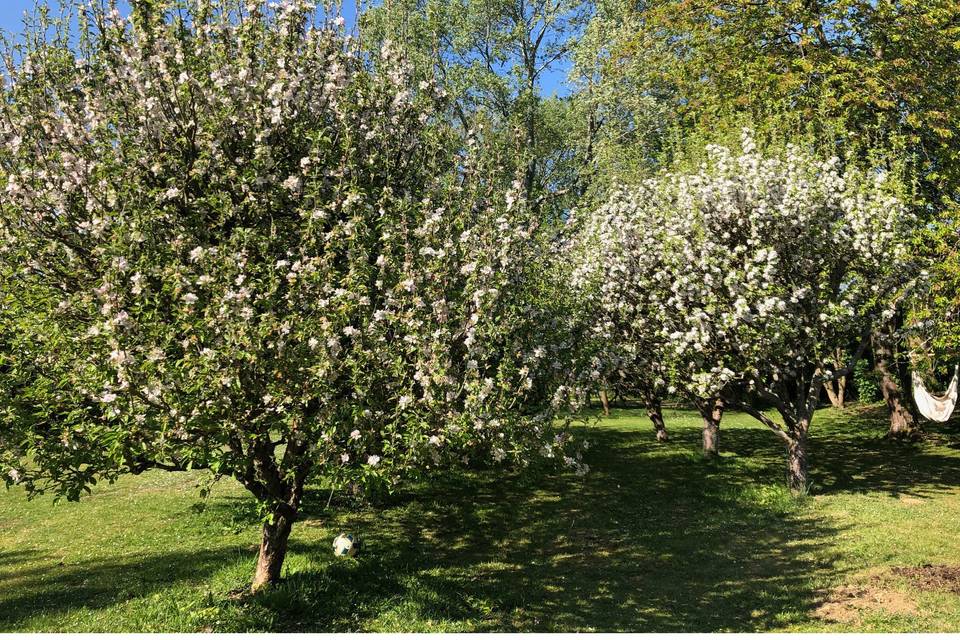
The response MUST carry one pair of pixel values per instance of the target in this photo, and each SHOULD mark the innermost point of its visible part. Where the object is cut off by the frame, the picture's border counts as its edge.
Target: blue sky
(11, 13)
(11, 20)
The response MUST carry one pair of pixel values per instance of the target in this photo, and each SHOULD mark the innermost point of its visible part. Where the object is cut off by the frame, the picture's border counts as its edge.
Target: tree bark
(902, 424)
(604, 401)
(793, 433)
(279, 484)
(837, 394)
(797, 465)
(712, 412)
(655, 413)
(273, 551)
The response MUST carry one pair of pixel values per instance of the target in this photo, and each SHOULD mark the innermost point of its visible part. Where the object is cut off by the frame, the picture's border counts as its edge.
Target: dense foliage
(862, 72)
(745, 276)
(231, 242)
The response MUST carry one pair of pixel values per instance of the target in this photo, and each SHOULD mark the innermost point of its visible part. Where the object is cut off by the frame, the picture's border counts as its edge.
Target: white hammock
(936, 408)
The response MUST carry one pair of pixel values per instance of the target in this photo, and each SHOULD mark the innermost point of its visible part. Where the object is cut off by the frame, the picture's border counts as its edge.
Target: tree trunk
(797, 466)
(798, 427)
(273, 550)
(655, 412)
(712, 412)
(837, 394)
(828, 387)
(902, 424)
(604, 401)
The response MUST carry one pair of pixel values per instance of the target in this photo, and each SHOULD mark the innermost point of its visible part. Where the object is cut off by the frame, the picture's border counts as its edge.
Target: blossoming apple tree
(618, 276)
(660, 293)
(230, 242)
(771, 262)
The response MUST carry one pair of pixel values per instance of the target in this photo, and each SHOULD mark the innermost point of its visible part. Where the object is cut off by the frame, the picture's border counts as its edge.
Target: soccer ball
(346, 544)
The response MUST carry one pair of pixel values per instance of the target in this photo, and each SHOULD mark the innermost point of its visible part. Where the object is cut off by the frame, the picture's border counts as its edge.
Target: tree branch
(762, 418)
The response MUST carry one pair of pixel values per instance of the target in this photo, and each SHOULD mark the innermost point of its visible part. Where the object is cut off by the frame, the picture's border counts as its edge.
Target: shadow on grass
(54, 588)
(854, 455)
(653, 539)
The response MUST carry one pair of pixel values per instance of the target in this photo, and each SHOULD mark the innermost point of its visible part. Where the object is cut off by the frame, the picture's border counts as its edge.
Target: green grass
(653, 539)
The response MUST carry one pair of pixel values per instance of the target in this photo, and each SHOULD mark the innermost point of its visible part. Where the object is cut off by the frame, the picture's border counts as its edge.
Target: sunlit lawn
(653, 539)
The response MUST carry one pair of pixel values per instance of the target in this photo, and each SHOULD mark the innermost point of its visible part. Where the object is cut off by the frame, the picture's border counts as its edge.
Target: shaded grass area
(653, 539)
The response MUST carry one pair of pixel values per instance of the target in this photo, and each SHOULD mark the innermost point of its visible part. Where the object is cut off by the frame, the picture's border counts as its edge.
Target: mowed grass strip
(653, 539)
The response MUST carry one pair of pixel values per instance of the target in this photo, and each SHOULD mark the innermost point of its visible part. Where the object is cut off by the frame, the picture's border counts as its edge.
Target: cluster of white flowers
(249, 232)
(745, 272)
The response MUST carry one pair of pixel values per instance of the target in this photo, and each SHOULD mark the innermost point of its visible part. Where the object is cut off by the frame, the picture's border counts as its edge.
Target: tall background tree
(497, 60)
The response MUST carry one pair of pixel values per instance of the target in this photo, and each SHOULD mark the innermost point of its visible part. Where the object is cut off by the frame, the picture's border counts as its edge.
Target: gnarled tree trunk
(902, 424)
(797, 422)
(273, 551)
(276, 531)
(836, 395)
(711, 410)
(793, 433)
(278, 483)
(655, 413)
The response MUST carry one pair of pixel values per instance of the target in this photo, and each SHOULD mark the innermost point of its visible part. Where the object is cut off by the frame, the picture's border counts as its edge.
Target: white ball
(346, 544)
